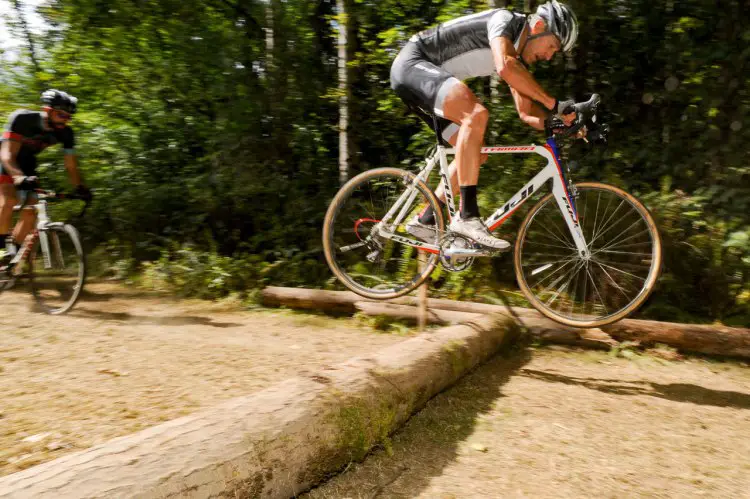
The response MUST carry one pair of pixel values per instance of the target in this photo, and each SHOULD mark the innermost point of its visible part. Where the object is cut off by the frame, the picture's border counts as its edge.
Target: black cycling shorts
(422, 86)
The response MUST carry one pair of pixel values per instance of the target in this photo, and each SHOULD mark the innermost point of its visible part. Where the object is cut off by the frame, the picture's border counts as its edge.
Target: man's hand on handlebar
(565, 111)
(583, 119)
(25, 183)
(83, 193)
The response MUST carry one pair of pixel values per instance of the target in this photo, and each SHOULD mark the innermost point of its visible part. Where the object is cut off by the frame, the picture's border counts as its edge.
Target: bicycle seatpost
(437, 129)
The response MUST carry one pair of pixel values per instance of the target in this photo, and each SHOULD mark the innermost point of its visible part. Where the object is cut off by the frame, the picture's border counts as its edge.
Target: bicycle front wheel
(57, 268)
(373, 257)
(620, 273)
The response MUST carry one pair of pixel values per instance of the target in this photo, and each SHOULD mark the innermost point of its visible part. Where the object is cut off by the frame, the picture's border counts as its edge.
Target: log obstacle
(278, 442)
(413, 314)
(281, 441)
(690, 338)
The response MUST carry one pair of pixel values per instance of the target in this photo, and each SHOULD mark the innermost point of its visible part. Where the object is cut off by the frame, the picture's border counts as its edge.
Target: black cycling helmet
(561, 21)
(57, 99)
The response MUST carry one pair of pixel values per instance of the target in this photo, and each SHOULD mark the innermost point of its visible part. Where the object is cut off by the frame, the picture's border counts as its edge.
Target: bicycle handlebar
(45, 194)
(585, 116)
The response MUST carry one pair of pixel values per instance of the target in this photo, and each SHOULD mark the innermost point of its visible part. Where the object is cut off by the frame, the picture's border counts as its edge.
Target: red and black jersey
(27, 127)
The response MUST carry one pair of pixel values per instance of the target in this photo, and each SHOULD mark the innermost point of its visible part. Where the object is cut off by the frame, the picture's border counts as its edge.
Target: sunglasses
(63, 114)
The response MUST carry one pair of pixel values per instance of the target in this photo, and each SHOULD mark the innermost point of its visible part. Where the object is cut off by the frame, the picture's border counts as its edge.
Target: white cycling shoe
(474, 229)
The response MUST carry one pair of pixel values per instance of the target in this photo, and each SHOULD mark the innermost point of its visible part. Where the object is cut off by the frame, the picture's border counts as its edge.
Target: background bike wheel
(623, 268)
(57, 284)
(371, 265)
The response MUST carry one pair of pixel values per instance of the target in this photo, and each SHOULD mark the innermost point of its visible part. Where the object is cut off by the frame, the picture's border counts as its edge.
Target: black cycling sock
(427, 216)
(469, 206)
(3, 237)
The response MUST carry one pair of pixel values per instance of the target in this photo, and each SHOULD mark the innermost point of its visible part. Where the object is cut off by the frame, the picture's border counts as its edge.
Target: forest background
(211, 132)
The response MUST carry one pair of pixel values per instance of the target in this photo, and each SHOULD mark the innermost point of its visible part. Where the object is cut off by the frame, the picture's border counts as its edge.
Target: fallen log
(281, 441)
(411, 314)
(343, 302)
(541, 328)
(311, 299)
(698, 338)
(693, 338)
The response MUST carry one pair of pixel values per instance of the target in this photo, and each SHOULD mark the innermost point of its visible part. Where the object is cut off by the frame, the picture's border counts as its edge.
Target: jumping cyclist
(427, 75)
(26, 135)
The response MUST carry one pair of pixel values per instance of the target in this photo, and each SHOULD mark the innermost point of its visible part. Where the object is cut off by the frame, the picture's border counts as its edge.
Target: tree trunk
(27, 33)
(269, 38)
(343, 22)
(343, 302)
(278, 442)
(705, 339)
(542, 329)
(411, 314)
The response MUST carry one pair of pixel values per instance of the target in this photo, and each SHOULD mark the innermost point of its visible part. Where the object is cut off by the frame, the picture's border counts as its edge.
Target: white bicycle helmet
(561, 22)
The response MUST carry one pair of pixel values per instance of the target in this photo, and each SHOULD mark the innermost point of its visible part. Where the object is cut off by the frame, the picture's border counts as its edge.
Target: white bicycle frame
(552, 171)
(43, 223)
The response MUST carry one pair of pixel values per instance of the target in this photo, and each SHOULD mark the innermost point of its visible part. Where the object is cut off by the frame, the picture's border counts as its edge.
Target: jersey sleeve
(14, 128)
(501, 24)
(68, 140)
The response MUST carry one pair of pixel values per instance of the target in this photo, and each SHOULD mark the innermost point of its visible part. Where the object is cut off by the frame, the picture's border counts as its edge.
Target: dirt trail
(122, 361)
(566, 424)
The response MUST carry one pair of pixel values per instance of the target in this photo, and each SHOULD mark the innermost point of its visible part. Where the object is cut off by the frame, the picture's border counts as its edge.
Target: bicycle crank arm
(470, 253)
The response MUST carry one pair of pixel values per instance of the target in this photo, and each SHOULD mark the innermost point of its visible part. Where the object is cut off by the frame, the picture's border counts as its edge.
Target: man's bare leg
(458, 104)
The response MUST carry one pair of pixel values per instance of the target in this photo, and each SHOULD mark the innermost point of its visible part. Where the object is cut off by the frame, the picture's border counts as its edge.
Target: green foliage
(213, 154)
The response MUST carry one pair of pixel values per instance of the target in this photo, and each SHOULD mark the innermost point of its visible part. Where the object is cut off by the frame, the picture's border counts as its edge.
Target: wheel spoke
(616, 244)
(618, 270)
(604, 231)
(548, 276)
(619, 288)
(555, 246)
(620, 253)
(593, 283)
(558, 237)
(367, 260)
(558, 280)
(623, 232)
(576, 290)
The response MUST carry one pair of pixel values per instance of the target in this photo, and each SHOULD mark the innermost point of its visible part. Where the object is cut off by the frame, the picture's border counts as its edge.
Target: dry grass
(123, 361)
(566, 424)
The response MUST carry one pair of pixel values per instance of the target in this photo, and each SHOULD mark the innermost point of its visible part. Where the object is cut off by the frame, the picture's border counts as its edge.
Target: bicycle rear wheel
(613, 282)
(361, 251)
(57, 269)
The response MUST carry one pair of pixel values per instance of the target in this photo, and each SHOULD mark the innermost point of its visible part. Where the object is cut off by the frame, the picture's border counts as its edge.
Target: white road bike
(51, 258)
(586, 255)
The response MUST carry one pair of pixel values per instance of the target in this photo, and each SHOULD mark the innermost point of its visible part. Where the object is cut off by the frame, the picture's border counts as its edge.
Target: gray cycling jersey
(462, 46)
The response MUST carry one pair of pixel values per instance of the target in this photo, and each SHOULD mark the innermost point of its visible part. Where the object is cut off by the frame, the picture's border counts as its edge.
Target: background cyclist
(26, 134)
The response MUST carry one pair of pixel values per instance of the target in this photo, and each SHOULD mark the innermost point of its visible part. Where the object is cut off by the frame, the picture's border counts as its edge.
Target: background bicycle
(51, 258)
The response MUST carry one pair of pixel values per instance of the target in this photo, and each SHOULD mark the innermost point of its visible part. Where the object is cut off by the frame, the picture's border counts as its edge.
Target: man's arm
(8, 154)
(528, 110)
(515, 74)
(71, 160)
(71, 165)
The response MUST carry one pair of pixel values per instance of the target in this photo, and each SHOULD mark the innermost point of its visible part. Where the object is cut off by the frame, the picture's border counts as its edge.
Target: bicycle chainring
(456, 263)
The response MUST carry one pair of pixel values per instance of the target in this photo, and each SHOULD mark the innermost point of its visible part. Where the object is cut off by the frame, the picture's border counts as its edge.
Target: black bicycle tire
(620, 314)
(330, 219)
(80, 282)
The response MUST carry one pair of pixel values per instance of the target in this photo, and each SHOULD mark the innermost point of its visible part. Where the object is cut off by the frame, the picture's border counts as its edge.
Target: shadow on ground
(430, 439)
(678, 392)
(188, 320)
